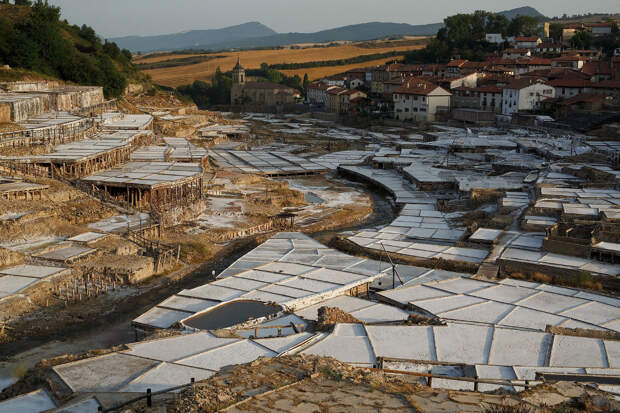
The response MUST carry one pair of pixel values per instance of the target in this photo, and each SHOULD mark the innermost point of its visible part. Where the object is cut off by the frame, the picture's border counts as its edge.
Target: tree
(305, 84)
(555, 31)
(127, 54)
(523, 26)
(23, 3)
(111, 49)
(582, 40)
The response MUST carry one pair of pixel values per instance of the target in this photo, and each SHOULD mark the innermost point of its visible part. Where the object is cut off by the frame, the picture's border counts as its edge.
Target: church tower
(238, 82)
(238, 74)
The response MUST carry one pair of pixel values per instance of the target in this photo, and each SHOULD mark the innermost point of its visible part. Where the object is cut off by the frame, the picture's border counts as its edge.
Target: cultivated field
(320, 72)
(252, 59)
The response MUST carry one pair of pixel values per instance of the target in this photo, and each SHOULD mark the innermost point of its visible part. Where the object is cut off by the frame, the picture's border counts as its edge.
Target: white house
(601, 29)
(355, 83)
(569, 87)
(525, 94)
(527, 42)
(419, 100)
(496, 38)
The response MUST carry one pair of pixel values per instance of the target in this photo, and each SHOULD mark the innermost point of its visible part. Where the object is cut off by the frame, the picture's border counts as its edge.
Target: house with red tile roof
(516, 53)
(598, 70)
(420, 100)
(571, 62)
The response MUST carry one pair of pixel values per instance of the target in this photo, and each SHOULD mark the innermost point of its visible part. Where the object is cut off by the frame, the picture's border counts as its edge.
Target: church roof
(267, 85)
(238, 65)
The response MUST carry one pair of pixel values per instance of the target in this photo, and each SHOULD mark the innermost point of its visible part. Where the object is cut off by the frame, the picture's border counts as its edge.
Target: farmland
(252, 59)
(320, 72)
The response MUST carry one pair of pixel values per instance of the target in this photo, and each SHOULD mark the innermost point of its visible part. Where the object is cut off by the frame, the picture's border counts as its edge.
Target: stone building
(260, 93)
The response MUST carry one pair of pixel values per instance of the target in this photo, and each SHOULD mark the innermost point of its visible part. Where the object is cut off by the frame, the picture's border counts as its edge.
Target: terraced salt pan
(570, 351)
(176, 348)
(159, 317)
(165, 376)
(235, 353)
(105, 373)
(36, 401)
(417, 343)
(10, 284)
(281, 344)
(511, 303)
(512, 347)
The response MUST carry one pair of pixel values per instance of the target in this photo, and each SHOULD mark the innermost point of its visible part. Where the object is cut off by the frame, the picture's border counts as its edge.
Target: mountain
(357, 32)
(250, 35)
(522, 11)
(195, 38)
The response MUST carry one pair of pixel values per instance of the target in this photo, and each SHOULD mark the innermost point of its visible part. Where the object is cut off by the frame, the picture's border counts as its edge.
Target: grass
(583, 280)
(194, 251)
(331, 373)
(252, 59)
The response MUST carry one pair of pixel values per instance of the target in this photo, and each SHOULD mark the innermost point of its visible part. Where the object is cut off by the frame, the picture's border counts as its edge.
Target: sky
(115, 18)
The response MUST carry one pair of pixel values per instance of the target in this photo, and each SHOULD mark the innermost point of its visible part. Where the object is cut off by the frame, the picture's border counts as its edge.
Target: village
(433, 237)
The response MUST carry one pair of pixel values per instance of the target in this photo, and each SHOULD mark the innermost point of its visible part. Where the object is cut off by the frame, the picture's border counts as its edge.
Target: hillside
(35, 43)
(256, 36)
(195, 38)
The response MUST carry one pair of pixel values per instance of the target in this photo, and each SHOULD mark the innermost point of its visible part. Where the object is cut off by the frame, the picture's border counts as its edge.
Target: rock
(328, 316)
(6, 68)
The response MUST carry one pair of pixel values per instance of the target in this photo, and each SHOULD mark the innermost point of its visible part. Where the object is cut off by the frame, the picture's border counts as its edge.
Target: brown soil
(329, 316)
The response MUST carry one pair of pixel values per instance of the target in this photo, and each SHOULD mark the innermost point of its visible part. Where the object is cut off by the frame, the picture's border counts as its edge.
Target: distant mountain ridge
(255, 34)
(521, 11)
(194, 38)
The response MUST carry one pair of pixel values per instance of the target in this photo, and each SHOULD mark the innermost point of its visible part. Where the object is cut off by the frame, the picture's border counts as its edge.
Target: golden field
(252, 59)
(315, 73)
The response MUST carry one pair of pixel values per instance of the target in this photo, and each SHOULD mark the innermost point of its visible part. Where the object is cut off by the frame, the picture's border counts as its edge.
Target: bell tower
(238, 74)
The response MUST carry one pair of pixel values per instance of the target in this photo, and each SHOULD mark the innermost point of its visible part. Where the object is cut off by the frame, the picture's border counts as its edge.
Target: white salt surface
(235, 353)
(36, 401)
(179, 347)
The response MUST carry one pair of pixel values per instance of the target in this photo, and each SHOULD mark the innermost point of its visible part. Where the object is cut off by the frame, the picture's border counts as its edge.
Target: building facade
(524, 95)
(260, 93)
(420, 100)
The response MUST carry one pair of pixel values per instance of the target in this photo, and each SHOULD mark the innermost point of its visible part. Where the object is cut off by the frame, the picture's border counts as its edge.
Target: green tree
(523, 26)
(127, 54)
(305, 84)
(111, 49)
(555, 31)
(582, 40)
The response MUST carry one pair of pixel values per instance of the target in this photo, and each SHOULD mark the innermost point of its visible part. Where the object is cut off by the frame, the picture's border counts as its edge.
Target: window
(422, 109)
(406, 109)
(415, 109)
(415, 98)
